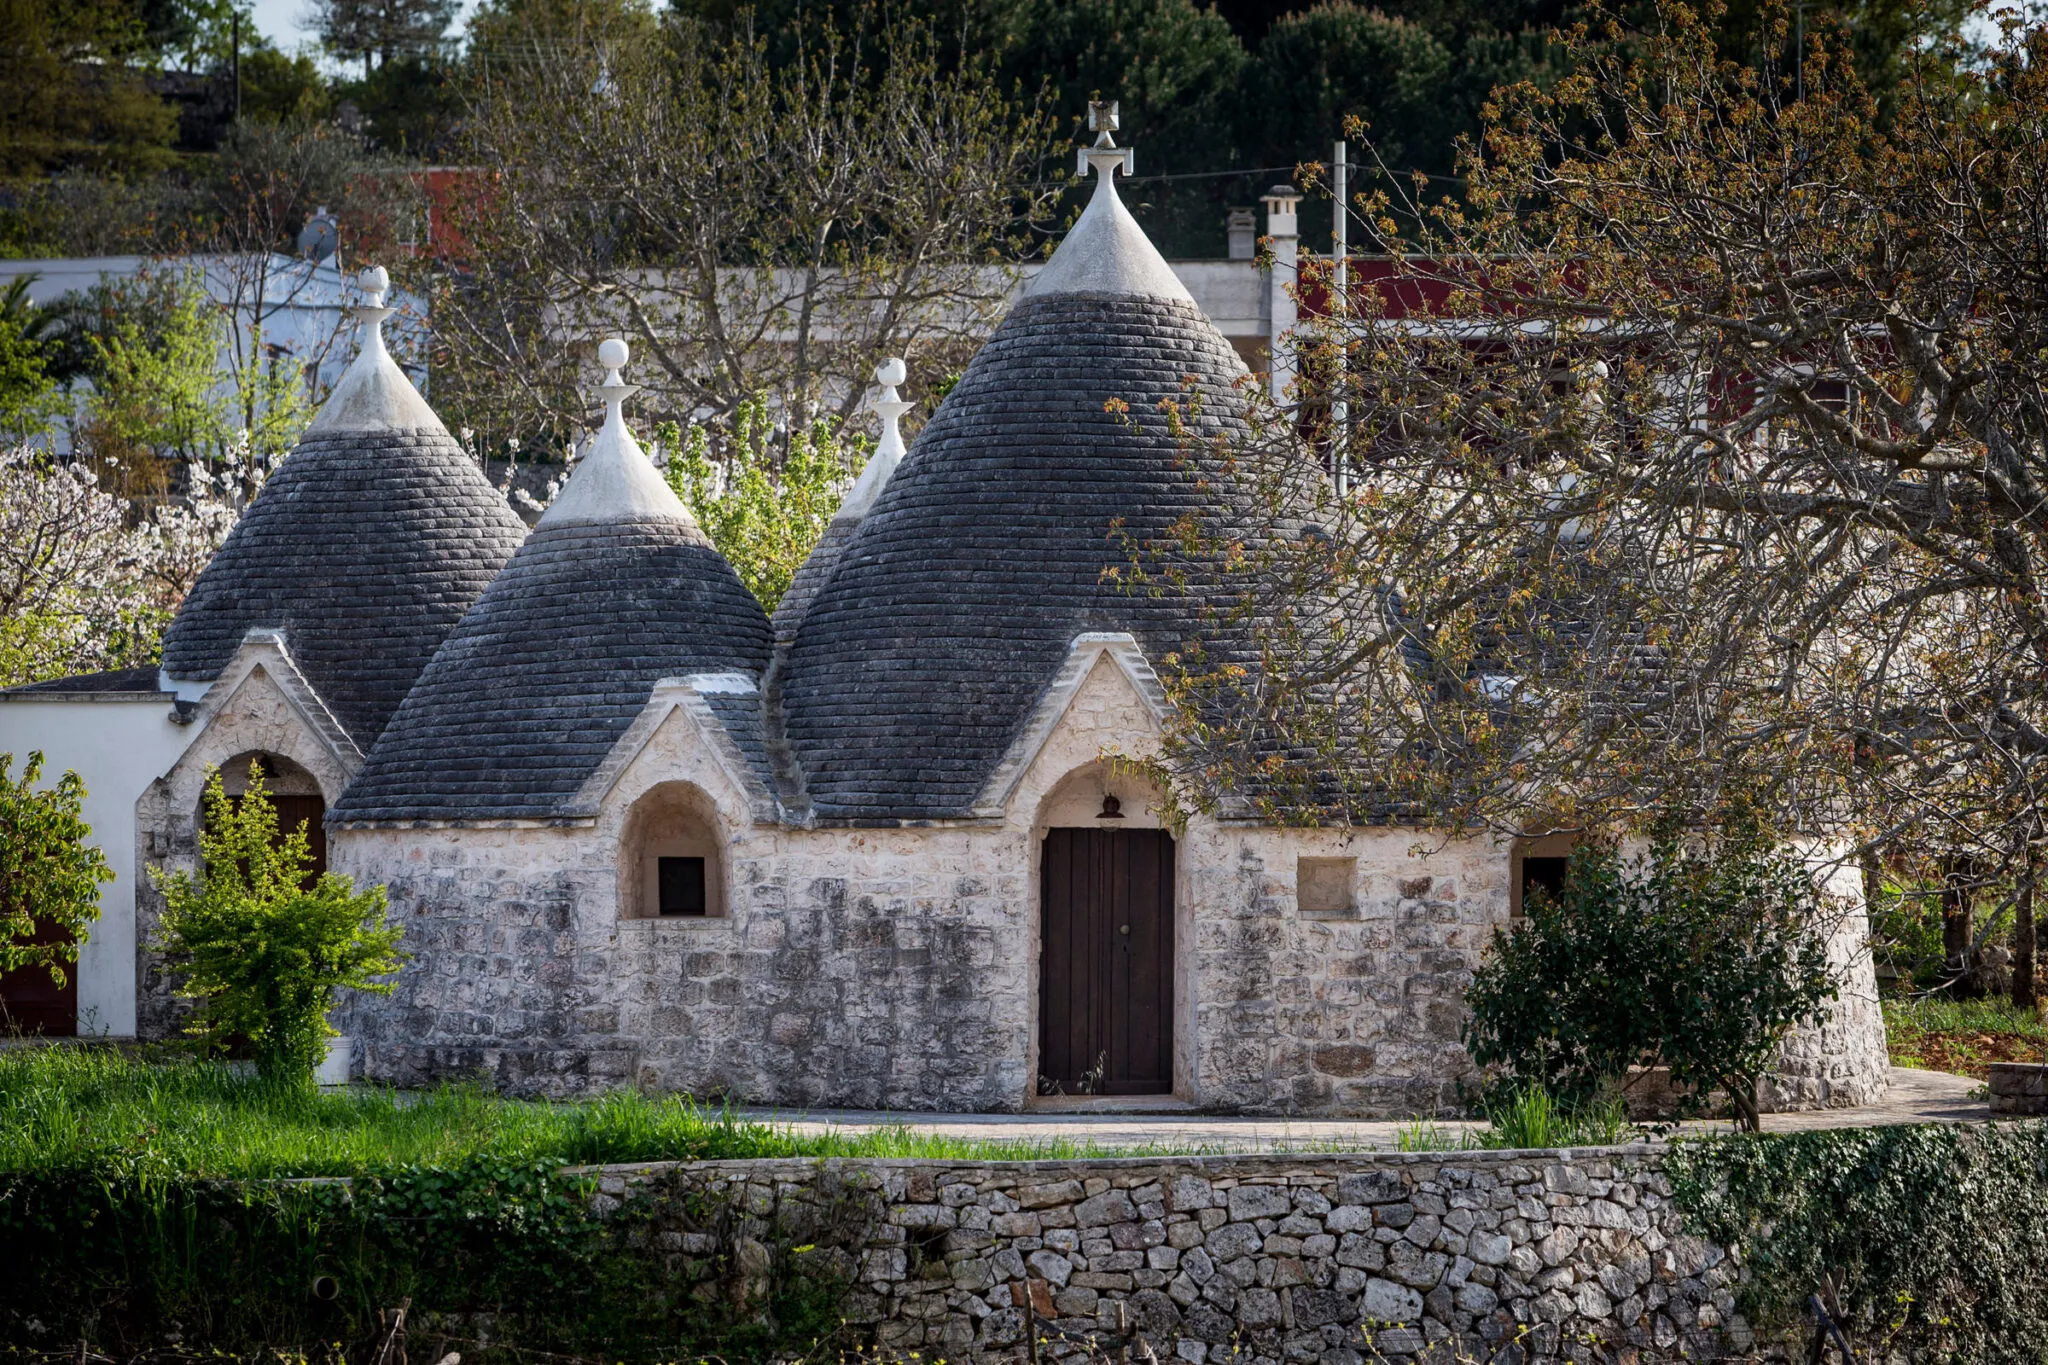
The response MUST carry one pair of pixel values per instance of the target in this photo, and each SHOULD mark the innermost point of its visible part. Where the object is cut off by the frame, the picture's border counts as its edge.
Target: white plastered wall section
(116, 745)
(259, 704)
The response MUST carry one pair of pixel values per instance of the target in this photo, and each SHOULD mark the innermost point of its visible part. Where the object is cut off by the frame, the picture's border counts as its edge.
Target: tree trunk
(2023, 937)
(1743, 1095)
(1958, 922)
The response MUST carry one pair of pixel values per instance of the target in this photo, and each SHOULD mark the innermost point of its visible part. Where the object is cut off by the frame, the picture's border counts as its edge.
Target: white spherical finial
(612, 353)
(375, 281)
(891, 372)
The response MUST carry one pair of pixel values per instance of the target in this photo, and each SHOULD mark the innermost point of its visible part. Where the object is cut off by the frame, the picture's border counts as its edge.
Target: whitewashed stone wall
(1513, 1256)
(898, 967)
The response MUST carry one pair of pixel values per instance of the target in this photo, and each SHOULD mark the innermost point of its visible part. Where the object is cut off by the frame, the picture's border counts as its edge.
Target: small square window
(1324, 886)
(682, 886)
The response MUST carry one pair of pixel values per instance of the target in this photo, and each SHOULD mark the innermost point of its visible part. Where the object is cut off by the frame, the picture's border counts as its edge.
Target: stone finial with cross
(1105, 156)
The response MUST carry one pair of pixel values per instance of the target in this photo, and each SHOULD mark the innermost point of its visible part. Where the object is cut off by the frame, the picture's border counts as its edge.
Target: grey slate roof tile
(533, 689)
(926, 647)
(365, 548)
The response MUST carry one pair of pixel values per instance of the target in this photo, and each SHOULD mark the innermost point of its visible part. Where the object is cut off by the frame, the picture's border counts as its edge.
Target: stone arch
(672, 856)
(294, 792)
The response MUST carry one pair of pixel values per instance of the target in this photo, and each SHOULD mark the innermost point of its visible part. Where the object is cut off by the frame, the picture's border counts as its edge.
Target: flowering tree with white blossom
(84, 586)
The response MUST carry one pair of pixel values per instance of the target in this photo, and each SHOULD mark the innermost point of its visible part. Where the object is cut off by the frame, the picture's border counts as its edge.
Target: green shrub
(1936, 1236)
(1696, 957)
(49, 874)
(264, 952)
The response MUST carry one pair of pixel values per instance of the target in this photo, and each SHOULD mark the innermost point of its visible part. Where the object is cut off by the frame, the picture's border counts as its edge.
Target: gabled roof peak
(1107, 252)
(374, 394)
(615, 481)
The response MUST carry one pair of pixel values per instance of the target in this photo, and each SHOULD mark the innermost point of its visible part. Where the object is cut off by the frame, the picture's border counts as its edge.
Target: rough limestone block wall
(1355, 1013)
(1257, 1260)
(898, 967)
(857, 967)
(1842, 1062)
(253, 716)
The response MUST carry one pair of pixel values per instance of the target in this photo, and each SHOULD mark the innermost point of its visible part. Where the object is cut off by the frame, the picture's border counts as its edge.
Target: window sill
(688, 923)
(1331, 914)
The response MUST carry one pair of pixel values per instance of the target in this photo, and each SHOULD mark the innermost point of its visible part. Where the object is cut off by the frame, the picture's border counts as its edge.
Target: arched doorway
(1106, 945)
(294, 794)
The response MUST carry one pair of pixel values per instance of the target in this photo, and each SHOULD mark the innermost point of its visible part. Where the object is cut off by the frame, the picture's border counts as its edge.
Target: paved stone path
(1915, 1097)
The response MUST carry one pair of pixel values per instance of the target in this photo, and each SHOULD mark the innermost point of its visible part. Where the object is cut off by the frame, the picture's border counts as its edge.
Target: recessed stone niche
(1327, 886)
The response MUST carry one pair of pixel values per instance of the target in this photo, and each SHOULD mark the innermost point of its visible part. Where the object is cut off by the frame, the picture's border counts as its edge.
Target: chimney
(1283, 227)
(1243, 227)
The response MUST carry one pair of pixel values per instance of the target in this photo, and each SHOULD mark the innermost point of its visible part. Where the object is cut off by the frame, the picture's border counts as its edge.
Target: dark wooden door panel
(1106, 964)
(32, 1003)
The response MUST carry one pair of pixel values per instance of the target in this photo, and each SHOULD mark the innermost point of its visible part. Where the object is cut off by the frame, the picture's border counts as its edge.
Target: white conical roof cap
(1107, 252)
(374, 394)
(615, 481)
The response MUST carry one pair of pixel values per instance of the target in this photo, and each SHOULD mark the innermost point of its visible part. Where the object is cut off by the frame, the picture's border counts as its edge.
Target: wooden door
(1105, 979)
(32, 1003)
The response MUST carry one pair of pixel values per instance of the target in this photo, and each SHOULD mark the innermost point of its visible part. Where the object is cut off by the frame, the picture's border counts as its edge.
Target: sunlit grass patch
(78, 1106)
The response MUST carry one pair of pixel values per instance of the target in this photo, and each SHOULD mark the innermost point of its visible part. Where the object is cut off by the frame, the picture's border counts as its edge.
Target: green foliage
(1525, 1118)
(97, 1108)
(1695, 957)
(130, 1259)
(49, 873)
(764, 510)
(30, 401)
(1317, 68)
(262, 950)
(154, 387)
(69, 96)
(1937, 1236)
(281, 88)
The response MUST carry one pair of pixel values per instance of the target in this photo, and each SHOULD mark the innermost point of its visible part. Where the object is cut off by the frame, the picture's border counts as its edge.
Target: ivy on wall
(1937, 1236)
(498, 1258)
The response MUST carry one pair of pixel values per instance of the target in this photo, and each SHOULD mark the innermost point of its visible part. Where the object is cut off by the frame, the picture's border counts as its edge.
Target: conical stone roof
(923, 655)
(616, 588)
(365, 547)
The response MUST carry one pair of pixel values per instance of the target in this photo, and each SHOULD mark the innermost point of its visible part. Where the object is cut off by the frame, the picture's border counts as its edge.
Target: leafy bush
(1936, 1236)
(764, 514)
(48, 872)
(1695, 957)
(262, 950)
(498, 1257)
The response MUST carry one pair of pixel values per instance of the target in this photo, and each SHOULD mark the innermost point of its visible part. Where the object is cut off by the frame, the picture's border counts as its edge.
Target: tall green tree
(376, 32)
(71, 94)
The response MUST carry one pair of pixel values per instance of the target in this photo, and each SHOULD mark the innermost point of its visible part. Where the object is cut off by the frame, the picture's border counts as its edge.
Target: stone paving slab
(1915, 1097)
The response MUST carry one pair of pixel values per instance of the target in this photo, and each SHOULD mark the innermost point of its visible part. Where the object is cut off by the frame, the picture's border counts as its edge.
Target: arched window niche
(294, 794)
(671, 863)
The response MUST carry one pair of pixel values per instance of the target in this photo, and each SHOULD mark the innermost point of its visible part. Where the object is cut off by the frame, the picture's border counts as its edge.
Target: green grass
(72, 1107)
(1937, 1014)
(1962, 1036)
(1527, 1118)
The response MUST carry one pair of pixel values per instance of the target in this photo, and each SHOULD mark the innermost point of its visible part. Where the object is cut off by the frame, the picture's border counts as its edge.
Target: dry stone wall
(1501, 1256)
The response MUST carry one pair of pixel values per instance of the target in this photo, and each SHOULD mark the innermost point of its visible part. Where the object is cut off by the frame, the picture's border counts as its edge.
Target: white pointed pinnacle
(375, 283)
(890, 407)
(613, 353)
(1104, 156)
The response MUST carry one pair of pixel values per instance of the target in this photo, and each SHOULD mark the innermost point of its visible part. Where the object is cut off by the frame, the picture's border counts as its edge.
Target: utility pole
(1340, 304)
